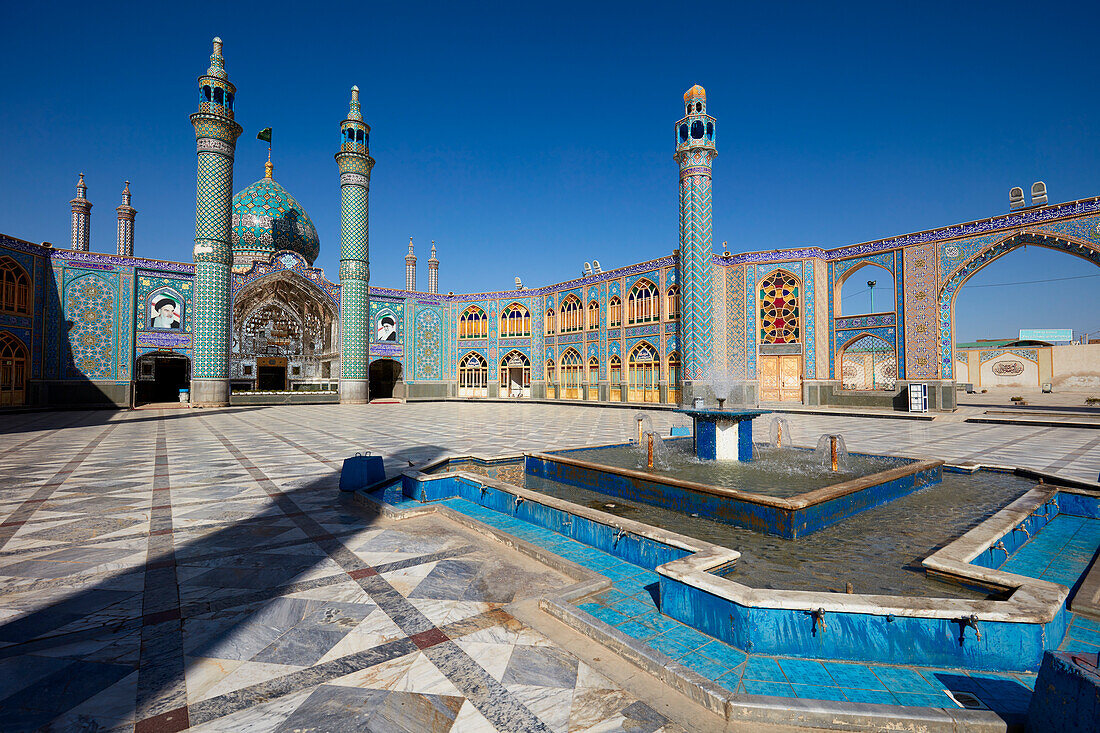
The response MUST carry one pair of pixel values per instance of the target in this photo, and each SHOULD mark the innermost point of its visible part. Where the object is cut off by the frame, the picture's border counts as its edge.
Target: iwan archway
(953, 281)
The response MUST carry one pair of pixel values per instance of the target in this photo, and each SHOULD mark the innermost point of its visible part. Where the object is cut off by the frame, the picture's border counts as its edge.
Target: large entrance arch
(958, 277)
(383, 375)
(160, 377)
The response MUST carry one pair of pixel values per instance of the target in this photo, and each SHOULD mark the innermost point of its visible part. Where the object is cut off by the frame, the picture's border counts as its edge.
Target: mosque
(251, 320)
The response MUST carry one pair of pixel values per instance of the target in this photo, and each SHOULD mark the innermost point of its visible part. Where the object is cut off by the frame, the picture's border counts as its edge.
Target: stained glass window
(644, 305)
(515, 321)
(473, 324)
(779, 312)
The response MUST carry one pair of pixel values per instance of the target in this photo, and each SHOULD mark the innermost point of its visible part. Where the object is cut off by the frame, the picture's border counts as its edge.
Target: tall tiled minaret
(82, 217)
(216, 135)
(410, 268)
(126, 215)
(694, 152)
(433, 271)
(355, 167)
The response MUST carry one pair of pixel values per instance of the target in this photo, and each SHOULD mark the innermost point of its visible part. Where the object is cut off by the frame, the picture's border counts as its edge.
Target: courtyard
(170, 569)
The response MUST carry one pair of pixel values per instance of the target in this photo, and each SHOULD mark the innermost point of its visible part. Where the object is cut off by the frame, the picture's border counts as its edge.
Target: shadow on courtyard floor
(220, 589)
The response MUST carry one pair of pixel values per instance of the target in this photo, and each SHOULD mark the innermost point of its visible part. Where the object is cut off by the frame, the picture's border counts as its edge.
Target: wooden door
(769, 378)
(790, 378)
(780, 378)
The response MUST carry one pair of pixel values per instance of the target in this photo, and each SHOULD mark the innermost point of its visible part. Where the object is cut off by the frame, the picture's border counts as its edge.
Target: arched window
(615, 377)
(515, 375)
(674, 378)
(672, 302)
(614, 312)
(868, 363)
(593, 316)
(13, 370)
(550, 375)
(779, 311)
(473, 324)
(593, 371)
(643, 305)
(572, 373)
(571, 315)
(645, 372)
(15, 288)
(473, 376)
(550, 322)
(515, 321)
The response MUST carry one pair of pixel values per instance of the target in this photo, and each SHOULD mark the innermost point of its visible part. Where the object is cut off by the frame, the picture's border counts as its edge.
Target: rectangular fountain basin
(789, 517)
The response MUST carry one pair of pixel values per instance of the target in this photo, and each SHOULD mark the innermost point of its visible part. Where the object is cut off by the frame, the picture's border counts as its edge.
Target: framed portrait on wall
(165, 309)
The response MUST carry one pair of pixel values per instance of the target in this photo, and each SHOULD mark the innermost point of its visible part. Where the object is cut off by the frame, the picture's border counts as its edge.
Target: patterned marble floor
(175, 569)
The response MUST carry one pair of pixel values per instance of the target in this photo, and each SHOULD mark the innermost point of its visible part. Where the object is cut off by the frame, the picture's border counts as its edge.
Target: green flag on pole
(264, 134)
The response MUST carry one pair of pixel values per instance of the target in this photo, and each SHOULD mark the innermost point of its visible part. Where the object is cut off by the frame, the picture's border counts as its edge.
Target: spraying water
(831, 453)
(652, 452)
(644, 423)
(779, 433)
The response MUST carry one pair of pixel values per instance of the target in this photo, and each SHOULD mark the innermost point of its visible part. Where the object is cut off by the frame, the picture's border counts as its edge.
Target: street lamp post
(871, 285)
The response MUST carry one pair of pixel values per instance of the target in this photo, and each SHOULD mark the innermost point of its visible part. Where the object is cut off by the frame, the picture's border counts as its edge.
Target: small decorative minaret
(433, 271)
(695, 150)
(216, 134)
(355, 167)
(82, 217)
(126, 215)
(410, 268)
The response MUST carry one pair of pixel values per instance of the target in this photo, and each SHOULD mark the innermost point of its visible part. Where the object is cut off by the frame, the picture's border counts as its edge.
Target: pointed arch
(953, 282)
(673, 372)
(644, 373)
(884, 285)
(615, 377)
(672, 302)
(515, 321)
(593, 315)
(550, 322)
(572, 316)
(15, 288)
(473, 376)
(572, 374)
(867, 363)
(614, 312)
(473, 324)
(14, 361)
(515, 375)
(643, 303)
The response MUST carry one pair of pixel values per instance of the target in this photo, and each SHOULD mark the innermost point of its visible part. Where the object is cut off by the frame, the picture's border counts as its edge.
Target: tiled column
(216, 134)
(355, 167)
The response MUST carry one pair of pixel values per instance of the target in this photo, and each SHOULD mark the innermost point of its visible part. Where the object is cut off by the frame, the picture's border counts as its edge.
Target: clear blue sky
(526, 139)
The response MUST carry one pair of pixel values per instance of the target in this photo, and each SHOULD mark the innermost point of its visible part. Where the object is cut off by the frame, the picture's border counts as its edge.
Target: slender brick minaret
(410, 268)
(695, 150)
(126, 216)
(355, 167)
(216, 134)
(82, 217)
(433, 271)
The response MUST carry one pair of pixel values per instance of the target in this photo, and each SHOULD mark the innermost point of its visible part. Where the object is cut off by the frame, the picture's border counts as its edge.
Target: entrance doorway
(781, 378)
(271, 373)
(515, 375)
(13, 371)
(384, 374)
(160, 377)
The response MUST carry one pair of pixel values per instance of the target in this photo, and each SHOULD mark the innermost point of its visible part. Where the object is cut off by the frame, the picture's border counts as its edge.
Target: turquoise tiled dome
(266, 219)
